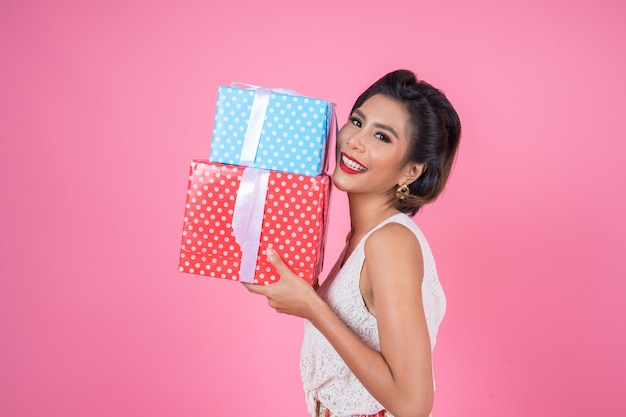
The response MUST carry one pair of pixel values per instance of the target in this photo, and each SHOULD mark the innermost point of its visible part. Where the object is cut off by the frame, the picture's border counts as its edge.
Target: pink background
(103, 104)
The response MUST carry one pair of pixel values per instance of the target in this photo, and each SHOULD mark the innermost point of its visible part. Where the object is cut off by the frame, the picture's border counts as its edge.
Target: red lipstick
(350, 169)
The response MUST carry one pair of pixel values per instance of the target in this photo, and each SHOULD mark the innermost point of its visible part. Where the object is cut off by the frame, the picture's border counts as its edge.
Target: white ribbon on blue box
(272, 129)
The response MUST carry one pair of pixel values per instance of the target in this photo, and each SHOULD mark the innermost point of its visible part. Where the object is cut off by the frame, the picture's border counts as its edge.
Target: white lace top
(325, 376)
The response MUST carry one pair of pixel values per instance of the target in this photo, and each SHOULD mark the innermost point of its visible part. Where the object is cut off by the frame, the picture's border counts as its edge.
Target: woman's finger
(256, 288)
(277, 262)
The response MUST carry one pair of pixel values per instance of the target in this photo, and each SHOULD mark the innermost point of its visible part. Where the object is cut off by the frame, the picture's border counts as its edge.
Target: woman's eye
(355, 122)
(382, 137)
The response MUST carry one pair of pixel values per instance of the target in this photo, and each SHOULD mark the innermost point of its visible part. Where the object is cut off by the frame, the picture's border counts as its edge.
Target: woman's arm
(394, 268)
(400, 376)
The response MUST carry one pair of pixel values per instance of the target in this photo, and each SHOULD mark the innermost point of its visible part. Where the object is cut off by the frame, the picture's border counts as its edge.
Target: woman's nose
(355, 141)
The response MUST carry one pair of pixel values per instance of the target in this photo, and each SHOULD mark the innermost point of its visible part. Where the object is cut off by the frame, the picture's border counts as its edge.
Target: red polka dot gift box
(234, 213)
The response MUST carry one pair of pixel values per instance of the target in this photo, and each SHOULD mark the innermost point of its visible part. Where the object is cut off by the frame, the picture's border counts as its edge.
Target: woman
(371, 326)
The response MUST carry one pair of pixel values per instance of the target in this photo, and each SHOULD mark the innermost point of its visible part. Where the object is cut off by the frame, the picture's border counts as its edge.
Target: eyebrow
(379, 125)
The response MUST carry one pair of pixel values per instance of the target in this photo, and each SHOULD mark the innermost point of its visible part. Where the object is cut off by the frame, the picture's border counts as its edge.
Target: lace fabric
(322, 411)
(325, 376)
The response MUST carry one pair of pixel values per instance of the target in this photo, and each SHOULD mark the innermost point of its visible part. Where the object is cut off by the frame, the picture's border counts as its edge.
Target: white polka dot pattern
(294, 223)
(294, 135)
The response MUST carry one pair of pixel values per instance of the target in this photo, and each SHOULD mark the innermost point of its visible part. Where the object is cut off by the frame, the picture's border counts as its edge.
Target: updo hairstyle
(435, 133)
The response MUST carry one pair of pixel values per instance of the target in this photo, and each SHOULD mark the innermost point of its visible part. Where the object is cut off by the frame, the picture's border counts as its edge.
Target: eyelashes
(380, 136)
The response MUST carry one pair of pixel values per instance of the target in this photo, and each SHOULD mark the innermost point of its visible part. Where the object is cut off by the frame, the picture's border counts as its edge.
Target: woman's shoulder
(398, 223)
(397, 234)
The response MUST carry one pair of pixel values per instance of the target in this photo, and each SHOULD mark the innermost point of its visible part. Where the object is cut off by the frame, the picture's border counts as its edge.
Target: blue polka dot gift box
(269, 129)
(234, 213)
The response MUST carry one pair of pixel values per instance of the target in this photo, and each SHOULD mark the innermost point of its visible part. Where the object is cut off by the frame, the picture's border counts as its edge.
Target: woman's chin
(339, 180)
(338, 185)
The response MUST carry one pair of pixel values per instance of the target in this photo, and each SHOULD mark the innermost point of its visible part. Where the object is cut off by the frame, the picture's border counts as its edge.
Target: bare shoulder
(393, 253)
(393, 238)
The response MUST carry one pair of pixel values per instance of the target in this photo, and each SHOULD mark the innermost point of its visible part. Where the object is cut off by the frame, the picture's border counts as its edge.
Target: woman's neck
(366, 212)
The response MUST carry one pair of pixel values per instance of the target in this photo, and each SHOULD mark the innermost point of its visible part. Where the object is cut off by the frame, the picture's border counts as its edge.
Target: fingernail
(270, 252)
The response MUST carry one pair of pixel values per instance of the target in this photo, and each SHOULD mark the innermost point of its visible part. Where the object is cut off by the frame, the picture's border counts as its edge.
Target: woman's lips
(351, 166)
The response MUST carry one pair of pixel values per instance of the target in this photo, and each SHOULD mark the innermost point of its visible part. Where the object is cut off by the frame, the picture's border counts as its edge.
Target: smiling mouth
(352, 164)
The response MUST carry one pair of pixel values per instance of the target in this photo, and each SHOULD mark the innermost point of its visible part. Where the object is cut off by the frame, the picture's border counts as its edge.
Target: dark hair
(435, 133)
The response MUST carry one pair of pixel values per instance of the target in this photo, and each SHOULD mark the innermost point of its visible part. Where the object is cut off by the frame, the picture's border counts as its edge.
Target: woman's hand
(291, 294)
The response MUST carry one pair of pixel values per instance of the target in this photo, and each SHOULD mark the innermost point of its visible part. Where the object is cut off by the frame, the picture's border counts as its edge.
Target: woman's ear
(413, 171)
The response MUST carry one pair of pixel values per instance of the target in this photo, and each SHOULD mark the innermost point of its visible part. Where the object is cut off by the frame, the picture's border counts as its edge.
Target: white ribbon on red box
(248, 218)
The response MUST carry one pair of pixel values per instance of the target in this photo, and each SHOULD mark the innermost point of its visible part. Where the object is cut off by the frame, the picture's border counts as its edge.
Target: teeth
(351, 164)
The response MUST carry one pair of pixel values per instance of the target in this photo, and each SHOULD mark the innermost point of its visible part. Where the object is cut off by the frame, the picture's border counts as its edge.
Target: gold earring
(402, 191)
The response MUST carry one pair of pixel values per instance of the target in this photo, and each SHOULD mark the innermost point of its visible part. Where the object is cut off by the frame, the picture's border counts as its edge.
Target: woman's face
(371, 148)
